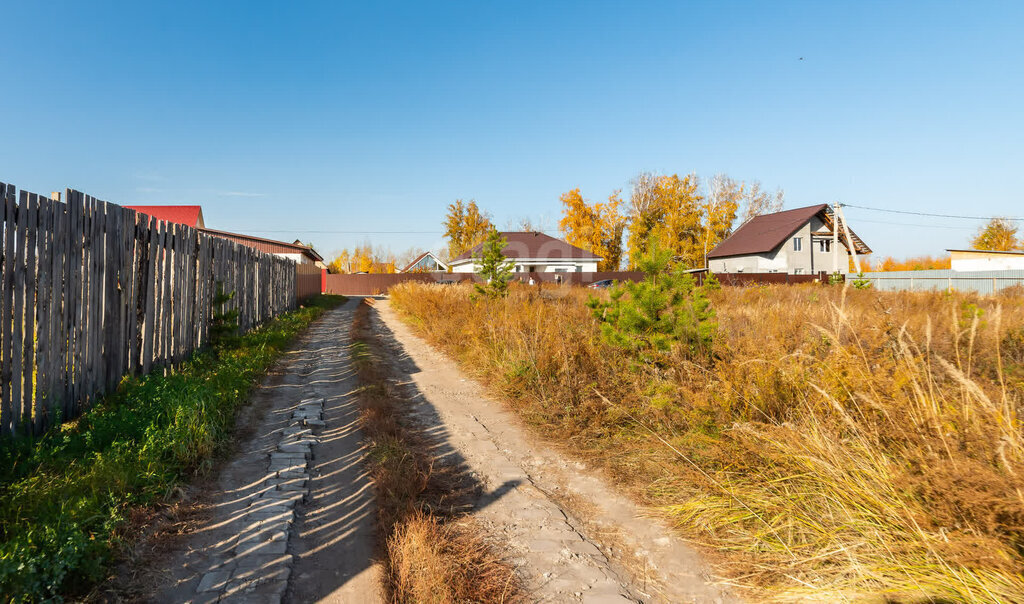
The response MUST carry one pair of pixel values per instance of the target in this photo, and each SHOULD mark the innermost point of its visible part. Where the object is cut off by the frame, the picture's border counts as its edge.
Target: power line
(321, 232)
(850, 205)
(342, 232)
(926, 226)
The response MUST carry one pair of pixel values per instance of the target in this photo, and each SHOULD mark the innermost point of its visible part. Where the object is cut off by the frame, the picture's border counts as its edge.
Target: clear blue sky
(292, 119)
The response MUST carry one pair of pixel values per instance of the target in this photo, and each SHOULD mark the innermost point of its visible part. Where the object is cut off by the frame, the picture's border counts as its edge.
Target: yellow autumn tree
(719, 208)
(465, 226)
(596, 228)
(672, 209)
(340, 264)
(998, 235)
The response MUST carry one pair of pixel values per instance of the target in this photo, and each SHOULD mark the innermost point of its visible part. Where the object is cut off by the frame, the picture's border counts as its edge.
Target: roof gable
(533, 245)
(419, 258)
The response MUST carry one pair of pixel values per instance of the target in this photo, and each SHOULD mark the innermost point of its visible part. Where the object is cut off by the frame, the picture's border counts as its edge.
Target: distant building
(425, 262)
(533, 252)
(797, 241)
(986, 260)
(187, 215)
(302, 254)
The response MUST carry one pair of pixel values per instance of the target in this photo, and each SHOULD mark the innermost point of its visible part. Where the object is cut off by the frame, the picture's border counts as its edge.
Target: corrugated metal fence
(308, 280)
(91, 291)
(982, 282)
(374, 284)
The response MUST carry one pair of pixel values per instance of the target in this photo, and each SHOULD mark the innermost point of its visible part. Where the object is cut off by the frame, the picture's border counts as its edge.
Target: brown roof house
(798, 242)
(533, 252)
(298, 251)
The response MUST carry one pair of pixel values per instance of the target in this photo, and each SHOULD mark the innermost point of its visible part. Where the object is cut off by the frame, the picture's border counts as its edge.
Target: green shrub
(666, 309)
(860, 282)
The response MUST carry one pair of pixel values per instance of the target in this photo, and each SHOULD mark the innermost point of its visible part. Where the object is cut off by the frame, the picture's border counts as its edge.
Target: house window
(824, 245)
(798, 244)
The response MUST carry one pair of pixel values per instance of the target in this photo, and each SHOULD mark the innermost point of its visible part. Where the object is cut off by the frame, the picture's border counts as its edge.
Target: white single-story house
(533, 252)
(986, 260)
(425, 262)
(797, 242)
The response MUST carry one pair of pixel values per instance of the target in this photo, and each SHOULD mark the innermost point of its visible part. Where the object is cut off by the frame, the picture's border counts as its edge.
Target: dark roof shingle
(533, 245)
(764, 233)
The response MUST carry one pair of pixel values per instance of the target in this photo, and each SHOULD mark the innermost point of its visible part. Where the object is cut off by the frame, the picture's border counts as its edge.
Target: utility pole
(835, 238)
(849, 237)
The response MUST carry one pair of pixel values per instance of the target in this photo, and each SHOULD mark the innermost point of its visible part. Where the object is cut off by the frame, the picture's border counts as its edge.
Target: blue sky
(332, 121)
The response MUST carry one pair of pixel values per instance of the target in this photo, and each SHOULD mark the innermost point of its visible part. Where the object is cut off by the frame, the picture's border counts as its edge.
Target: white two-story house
(798, 242)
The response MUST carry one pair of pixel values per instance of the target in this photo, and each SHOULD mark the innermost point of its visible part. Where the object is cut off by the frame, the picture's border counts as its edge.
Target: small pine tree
(224, 326)
(666, 309)
(494, 267)
(711, 283)
(860, 282)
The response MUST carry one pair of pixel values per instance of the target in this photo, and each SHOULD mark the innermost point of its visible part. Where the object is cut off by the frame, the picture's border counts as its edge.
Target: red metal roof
(533, 245)
(764, 233)
(188, 215)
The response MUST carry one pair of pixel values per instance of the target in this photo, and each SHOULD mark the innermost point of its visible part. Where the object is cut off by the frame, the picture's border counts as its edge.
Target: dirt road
(291, 515)
(572, 538)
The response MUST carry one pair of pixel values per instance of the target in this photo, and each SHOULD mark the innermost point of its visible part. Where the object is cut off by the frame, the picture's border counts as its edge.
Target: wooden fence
(91, 291)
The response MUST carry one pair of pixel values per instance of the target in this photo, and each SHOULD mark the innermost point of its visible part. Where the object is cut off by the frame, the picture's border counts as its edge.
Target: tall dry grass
(840, 445)
(432, 551)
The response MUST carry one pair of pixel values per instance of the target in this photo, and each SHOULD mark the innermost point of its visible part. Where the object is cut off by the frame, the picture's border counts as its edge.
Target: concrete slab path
(292, 513)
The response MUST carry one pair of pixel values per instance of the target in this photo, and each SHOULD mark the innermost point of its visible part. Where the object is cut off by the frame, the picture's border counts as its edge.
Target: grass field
(836, 445)
(65, 497)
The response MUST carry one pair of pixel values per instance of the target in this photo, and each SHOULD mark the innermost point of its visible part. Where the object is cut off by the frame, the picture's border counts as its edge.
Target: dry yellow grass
(841, 445)
(432, 553)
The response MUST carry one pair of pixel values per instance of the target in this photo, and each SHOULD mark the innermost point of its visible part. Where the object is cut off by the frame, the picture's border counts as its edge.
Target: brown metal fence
(308, 280)
(739, 279)
(91, 291)
(376, 284)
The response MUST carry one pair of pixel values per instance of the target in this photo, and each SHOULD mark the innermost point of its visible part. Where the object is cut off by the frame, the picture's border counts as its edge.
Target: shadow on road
(332, 561)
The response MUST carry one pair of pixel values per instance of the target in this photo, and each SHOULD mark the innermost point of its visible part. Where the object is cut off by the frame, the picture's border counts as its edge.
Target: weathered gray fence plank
(7, 310)
(43, 311)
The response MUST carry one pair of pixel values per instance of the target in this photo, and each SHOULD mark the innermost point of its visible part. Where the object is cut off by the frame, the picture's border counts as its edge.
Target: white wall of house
(537, 266)
(299, 258)
(982, 261)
